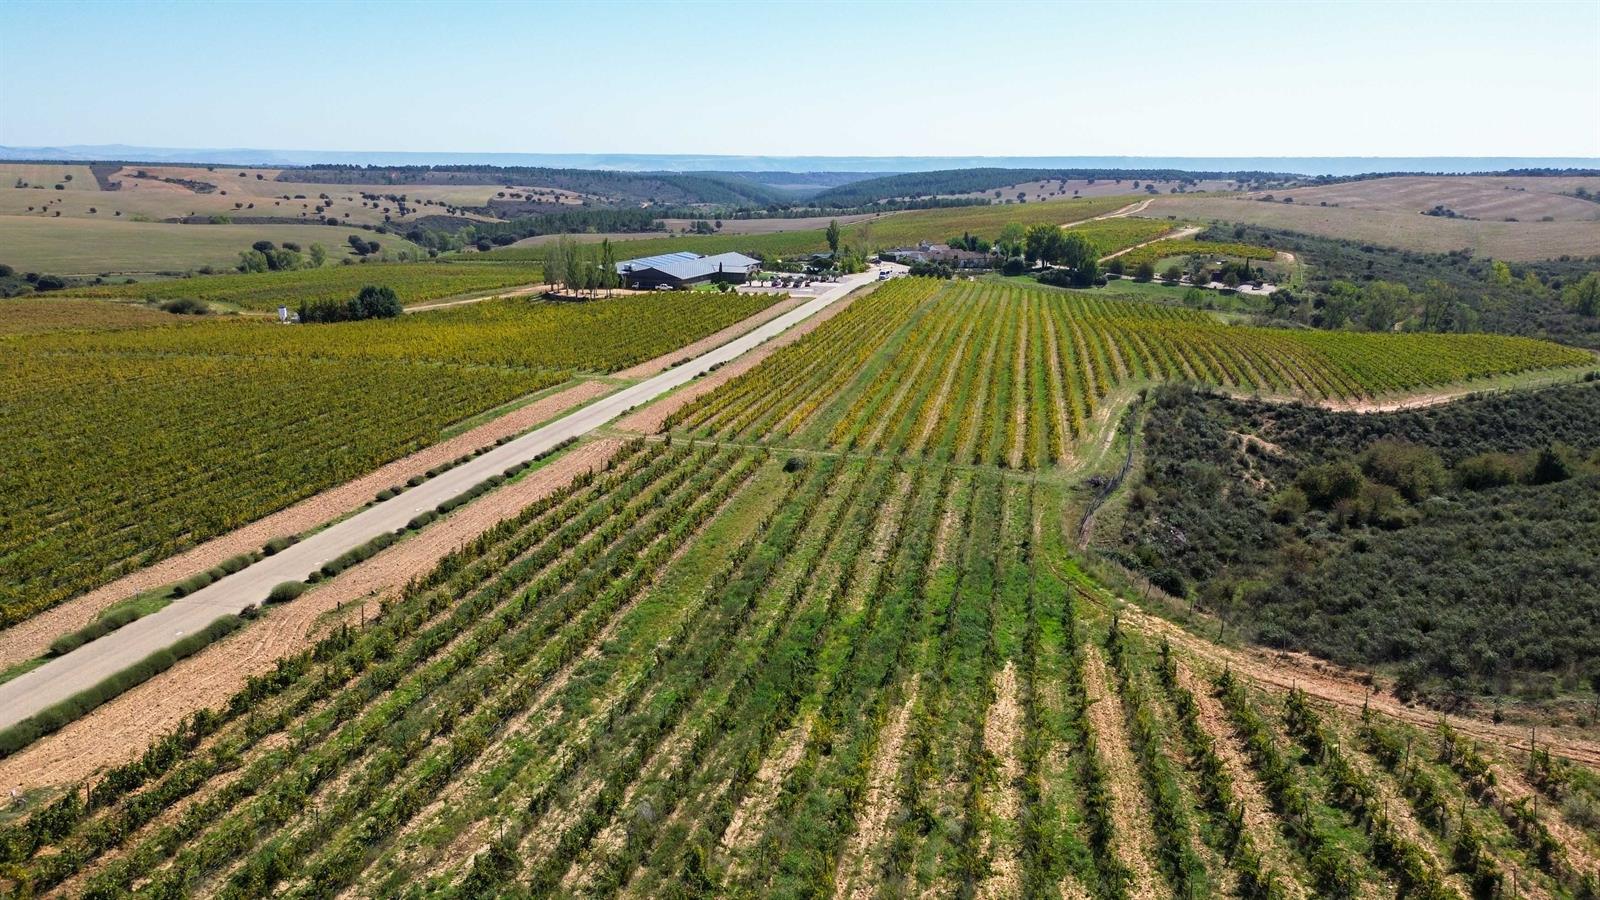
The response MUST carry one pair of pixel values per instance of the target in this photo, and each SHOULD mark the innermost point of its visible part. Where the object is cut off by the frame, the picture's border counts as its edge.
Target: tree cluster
(1364, 287)
(581, 268)
(1056, 246)
(373, 302)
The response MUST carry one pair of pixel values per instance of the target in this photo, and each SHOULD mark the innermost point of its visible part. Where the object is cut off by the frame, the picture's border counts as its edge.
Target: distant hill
(877, 165)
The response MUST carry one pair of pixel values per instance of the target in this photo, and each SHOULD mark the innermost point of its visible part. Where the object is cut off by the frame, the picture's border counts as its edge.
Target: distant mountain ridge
(876, 165)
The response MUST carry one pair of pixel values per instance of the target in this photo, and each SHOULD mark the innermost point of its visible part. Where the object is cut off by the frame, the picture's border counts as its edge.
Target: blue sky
(927, 78)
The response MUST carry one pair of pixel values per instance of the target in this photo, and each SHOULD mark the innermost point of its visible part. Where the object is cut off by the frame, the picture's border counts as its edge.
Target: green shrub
(285, 591)
(186, 306)
(279, 544)
(95, 630)
(193, 583)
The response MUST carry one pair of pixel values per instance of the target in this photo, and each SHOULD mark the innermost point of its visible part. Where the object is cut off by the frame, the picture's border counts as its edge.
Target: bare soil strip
(1019, 398)
(1136, 844)
(1259, 819)
(853, 878)
(32, 638)
(1002, 737)
(524, 291)
(120, 730)
(751, 816)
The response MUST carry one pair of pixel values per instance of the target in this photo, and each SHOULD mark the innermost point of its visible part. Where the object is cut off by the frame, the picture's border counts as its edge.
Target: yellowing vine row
(986, 372)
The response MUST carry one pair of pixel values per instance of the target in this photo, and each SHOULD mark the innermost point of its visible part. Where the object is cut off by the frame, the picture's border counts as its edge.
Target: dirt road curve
(1178, 235)
(1130, 209)
(61, 678)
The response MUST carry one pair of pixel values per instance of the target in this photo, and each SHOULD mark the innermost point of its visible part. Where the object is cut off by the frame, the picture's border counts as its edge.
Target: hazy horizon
(646, 162)
(795, 80)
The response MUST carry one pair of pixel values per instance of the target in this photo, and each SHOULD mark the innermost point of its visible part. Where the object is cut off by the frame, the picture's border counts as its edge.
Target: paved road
(88, 665)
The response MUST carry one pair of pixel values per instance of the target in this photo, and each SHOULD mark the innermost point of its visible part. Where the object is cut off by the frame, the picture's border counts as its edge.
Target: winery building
(685, 269)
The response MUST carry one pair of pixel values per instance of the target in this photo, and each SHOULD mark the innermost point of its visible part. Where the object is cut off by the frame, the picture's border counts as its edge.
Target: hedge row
(75, 707)
(100, 627)
(352, 556)
(389, 493)
(229, 566)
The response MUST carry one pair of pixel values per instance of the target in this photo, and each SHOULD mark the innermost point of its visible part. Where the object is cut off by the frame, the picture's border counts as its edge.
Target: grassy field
(121, 448)
(41, 177)
(414, 283)
(1405, 230)
(170, 192)
(802, 670)
(892, 230)
(90, 246)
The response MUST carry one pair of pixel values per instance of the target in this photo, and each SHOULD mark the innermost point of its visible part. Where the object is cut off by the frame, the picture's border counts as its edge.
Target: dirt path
(523, 291)
(1130, 210)
(1178, 235)
(121, 729)
(31, 638)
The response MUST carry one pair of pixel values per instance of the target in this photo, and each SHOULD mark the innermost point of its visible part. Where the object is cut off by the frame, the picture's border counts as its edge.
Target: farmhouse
(942, 253)
(684, 269)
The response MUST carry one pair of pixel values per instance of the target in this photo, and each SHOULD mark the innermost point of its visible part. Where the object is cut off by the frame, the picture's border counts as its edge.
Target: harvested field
(1490, 198)
(1516, 241)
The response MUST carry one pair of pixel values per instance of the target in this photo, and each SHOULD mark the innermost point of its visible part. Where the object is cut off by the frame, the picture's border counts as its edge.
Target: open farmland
(990, 373)
(164, 193)
(413, 283)
(1486, 197)
(35, 315)
(767, 226)
(719, 669)
(91, 246)
(1526, 240)
(45, 176)
(122, 448)
(891, 230)
(1051, 189)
